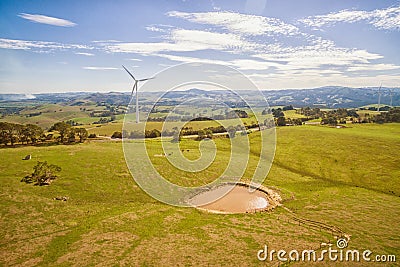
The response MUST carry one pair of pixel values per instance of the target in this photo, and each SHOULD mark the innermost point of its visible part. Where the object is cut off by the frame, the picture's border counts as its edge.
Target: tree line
(14, 133)
(336, 116)
(232, 114)
(187, 131)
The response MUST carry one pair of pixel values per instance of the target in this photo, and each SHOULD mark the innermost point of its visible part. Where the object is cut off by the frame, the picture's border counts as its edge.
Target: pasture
(347, 178)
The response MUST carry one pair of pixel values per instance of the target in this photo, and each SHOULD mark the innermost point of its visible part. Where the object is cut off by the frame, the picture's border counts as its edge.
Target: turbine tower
(135, 87)
(379, 97)
(391, 97)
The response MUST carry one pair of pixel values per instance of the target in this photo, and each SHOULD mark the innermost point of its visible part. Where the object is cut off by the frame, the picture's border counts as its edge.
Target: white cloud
(100, 68)
(38, 46)
(373, 67)
(185, 59)
(211, 40)
(180, 40)
(155, 29)
(134, 59)
(240, 23)
(84, 54)
(251, 64)
(388, 18)
(47, 20)
(319, 54)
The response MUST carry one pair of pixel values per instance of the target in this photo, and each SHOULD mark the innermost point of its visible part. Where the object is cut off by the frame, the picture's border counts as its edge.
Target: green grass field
(348, 178)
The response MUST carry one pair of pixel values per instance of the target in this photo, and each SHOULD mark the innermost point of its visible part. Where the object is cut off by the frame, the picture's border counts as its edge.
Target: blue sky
(59, 46)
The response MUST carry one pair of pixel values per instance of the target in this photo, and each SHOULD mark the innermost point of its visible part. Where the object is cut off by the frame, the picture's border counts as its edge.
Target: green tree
(209, 133)
(201, 134)
(281, 121)
(152, 134)
(117, 135)
(63, 129)
(71, 135)
(43, 174)
(9, 132)
(31, 133)
(231, 131)
(277, 113)
(330, 120)
(82, 133)
(5, 132)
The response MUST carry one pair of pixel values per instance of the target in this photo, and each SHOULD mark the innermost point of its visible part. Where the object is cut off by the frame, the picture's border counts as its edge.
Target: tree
(71, 135)
(329, 120)
(10, 132)
(5, 132)
(201, 134)
(231, 131)
(152, 134)
(209, 133)
(281, 121)
(277, 113)
(62, 128)
(176, 136)
(290, 107)
(82, 133)
(32, 133)
(117, 135)
(43, 174)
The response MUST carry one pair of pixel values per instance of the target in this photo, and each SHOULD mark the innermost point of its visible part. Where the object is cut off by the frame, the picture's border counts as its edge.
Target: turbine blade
(141, 80)
(129, 72)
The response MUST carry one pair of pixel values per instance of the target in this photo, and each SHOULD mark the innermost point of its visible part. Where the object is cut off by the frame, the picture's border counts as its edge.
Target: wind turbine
(391, 97)
(135, 87)
(379, 97)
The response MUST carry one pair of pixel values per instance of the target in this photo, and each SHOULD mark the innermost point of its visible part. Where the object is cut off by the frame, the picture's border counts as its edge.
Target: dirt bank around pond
(238, 200)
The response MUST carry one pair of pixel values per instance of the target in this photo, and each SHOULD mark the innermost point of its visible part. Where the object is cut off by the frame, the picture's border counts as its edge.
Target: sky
(61, 46)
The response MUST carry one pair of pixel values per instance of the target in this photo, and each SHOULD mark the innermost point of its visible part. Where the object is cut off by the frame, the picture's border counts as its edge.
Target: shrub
(117, 135)
(231, 131)
(43, 174)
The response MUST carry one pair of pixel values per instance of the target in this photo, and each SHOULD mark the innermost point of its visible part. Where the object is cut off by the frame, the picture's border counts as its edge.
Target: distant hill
(329, 96)
(333, 97)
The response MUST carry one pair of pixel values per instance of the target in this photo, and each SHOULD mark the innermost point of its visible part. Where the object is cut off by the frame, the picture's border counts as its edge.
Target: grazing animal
(27, 157)
(61, 198)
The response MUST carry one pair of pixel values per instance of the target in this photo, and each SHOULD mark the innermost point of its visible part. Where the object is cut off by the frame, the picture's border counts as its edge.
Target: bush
(92, 135)
(152, 134)
(231, 132)
(117, 135)
(43, 174)
(281, 121)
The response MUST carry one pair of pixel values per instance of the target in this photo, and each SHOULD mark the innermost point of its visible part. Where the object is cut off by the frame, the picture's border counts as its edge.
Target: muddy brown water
(239, 200)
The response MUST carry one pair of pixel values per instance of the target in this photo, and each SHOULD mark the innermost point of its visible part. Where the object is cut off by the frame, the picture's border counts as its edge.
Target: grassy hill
(348, 178)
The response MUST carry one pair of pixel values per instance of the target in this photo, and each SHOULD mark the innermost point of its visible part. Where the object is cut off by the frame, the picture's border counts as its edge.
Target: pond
(238, 200)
